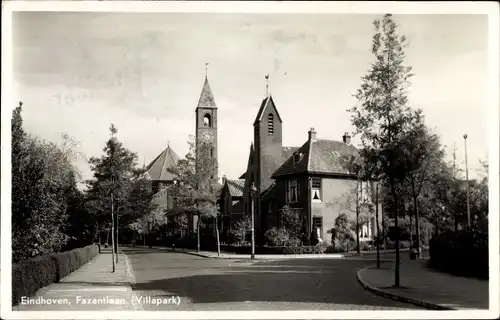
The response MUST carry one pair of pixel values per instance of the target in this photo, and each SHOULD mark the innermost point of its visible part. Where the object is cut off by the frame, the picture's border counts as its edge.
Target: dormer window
(207, 120)
(270, 124)
(296, 157)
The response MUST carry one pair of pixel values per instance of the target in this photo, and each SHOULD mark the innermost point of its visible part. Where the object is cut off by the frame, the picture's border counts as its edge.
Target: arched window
(270, 124)
(207, 120)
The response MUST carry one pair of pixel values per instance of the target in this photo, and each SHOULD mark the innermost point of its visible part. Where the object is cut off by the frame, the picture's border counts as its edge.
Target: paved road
(222, 284)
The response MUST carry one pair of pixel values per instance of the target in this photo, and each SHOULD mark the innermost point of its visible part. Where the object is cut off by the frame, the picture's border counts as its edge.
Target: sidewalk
(225, 255)
(425, 287)
(90, 288)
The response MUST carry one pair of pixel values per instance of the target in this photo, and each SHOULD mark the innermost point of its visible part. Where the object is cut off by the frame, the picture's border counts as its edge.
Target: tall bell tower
(206, 120)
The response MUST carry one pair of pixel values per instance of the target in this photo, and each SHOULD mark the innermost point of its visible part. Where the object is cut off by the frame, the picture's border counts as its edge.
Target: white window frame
(318, 190)
(365, 232)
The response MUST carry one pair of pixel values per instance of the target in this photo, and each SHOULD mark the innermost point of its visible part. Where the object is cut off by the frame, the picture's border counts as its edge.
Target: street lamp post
(467, 178)
(253, 191)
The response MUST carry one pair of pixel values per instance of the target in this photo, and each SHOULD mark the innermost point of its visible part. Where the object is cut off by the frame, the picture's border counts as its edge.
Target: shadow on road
(276, 281)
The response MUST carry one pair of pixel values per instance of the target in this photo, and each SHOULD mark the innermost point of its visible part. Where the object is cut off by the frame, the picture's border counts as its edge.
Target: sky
(79, 72)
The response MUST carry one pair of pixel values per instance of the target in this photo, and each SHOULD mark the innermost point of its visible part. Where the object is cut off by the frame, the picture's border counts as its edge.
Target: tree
(110, 191)
(342, 233)
(149, 222)
(43, 181)
(423, 153)
(291, 221)
(356, 199)
(197, 192)
(383, 115)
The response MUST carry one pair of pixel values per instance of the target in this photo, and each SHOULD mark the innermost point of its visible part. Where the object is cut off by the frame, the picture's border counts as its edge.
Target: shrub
(365, 245)
(318, 249)
(277, 237)
(342, 234)
(29, 276)
(453, 252)
(240, 230)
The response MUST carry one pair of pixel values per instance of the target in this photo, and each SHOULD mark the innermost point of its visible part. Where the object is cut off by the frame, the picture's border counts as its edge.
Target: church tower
(206, 121)
(267, 141)
(267, 154)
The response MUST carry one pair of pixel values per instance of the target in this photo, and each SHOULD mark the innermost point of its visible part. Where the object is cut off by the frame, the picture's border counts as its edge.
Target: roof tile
(236, 187)
(317, 156)
(157, 170)
(206, 98)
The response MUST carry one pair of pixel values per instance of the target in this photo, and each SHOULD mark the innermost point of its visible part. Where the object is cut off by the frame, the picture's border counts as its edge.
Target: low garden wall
(463, 253)
(29, 276)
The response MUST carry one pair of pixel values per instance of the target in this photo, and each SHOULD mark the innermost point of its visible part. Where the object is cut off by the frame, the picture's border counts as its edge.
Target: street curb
(392, 296)
(284, 257)
(137, 306)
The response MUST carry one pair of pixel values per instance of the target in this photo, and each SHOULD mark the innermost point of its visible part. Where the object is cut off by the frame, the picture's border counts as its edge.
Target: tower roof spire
(206, 98)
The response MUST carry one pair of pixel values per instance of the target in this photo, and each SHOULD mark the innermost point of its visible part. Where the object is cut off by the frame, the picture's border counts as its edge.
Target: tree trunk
(456, 221)
(198, 234)
(417, 236)
(383, 228)
(411, 233)
(98, 234)
(396, 225)
(358, 248)
(117, 229)
(377, 224)
(112, 234)
(217, 234)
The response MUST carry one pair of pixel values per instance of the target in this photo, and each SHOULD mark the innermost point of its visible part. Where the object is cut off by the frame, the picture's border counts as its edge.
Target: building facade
(311, 178)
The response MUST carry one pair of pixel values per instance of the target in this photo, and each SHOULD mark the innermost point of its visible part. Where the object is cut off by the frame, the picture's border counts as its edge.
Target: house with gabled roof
(231, 204)
(316, 180)
(311, 178)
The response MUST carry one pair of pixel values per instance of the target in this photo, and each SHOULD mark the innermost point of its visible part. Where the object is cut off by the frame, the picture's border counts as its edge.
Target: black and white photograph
(241, 158)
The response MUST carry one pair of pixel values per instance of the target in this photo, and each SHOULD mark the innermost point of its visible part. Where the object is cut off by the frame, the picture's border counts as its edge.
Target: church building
(159, 171)
(310, 178)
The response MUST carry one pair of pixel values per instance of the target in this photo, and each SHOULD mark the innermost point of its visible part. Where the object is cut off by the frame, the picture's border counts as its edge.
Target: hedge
(29, 276)
(464, 253)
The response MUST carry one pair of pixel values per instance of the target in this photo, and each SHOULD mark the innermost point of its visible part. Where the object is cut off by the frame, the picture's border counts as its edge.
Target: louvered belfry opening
(270, 124)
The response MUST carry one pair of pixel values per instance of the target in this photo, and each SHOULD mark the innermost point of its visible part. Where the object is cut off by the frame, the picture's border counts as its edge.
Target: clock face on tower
(207, 136)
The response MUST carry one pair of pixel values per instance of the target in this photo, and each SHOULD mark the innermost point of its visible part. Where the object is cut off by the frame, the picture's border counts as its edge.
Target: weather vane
(206, 69)
(267, 84)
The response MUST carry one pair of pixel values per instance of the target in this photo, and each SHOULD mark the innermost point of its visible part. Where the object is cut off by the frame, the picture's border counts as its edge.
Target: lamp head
(465, 136)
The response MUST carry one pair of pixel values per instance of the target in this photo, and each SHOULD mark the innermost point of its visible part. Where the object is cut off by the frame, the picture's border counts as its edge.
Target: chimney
(312, 134)
(224, 179)
(346, 138)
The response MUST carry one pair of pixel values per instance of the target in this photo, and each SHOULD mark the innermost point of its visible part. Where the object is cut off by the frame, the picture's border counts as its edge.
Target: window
(365, 231)
(270, 124)
(297, 157)
(316, 190)
(318, 226)
(292, 191)
(207, 120)
(211, 152)
(364, 192)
